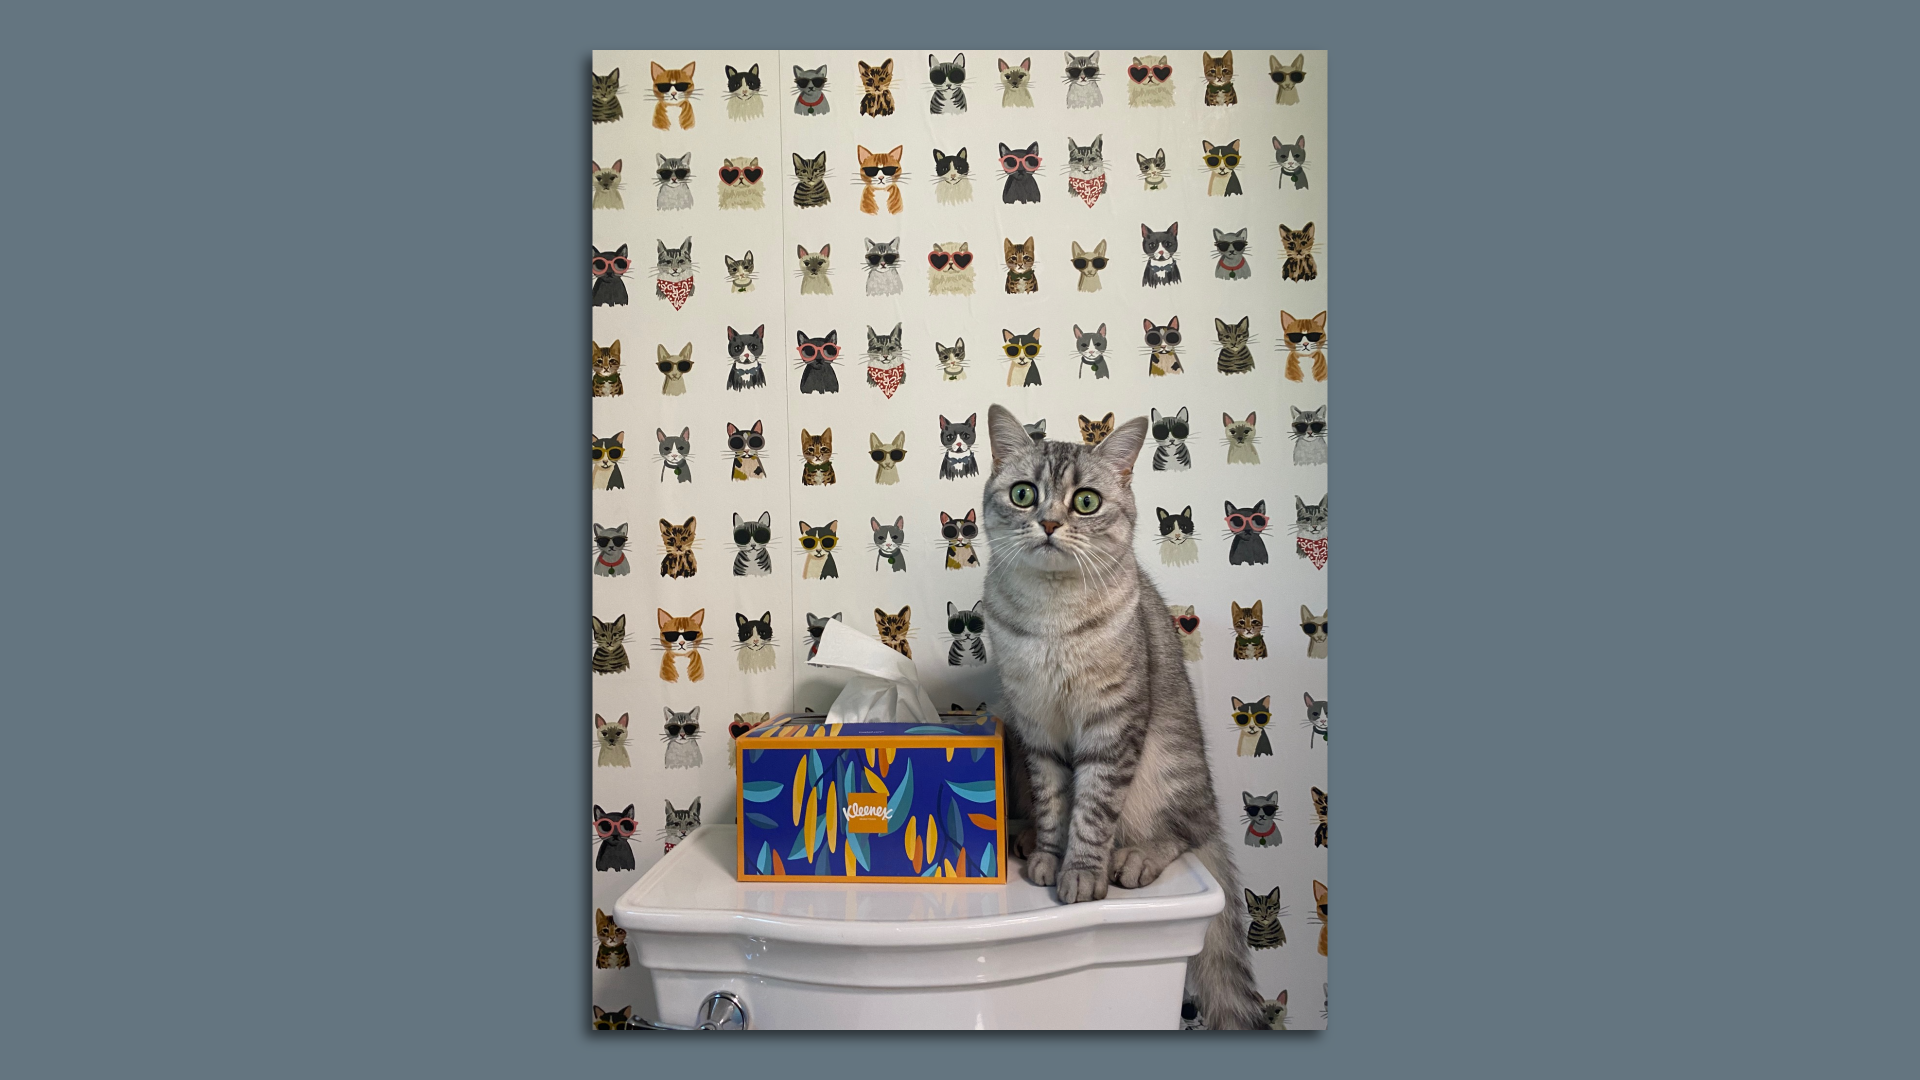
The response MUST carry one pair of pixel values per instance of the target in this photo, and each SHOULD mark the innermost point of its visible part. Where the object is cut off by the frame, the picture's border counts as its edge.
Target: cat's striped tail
(1220, 979)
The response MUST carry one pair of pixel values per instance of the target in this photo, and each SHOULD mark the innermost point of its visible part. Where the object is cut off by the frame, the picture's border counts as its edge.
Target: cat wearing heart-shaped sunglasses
(950, 270)
(740, 184)
(1187, 624)
(1150, 83)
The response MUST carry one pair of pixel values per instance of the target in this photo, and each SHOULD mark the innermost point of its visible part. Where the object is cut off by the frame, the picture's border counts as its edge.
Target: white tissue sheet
(882, 685)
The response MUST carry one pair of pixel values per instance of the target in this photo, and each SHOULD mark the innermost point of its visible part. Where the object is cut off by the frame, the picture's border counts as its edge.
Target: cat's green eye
(1023, 495)
(1086, 500)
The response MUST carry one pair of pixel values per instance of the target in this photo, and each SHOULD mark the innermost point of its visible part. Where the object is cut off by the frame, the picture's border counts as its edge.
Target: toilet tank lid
(692, 891)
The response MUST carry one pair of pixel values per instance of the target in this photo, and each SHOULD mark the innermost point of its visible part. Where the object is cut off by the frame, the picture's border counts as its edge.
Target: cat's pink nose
(1049, 526)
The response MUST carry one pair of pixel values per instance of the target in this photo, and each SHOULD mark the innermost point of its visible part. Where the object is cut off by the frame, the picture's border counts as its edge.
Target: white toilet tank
(848, 956)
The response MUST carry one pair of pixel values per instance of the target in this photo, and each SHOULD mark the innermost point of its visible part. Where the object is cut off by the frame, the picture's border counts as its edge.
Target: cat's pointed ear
(1123, 446)
(668, 709)
(1252, 897)
(1219, 325)
(799, 163)
(1027, 64)
(951, 612)
(622, 721)
(599, 721)
(886, 66)
(1258, 614)
(1173, 323)
(1076, 326)
(1246, 796)
(736, 514)
(833, 337)
(1309, 698)
(766, 517)
(694, 809)
(1260, 507)
(659, 159)
(1006, 334)
(970, 515)
(873, 441)
(1005, 433)
(945, 518)
(1277, 144)
(797, 71)
(1301, 143)
(666, 618)
(826, 251)
(1251, 419)
(694, 712)
(873, 525)
(658, 72)
(899, 522)
(800, 337)
(1274, 896)
(1306, 613)
(1226, 419)
(1161, 512)
(962, 155)
(1206, 146)
(731, 73)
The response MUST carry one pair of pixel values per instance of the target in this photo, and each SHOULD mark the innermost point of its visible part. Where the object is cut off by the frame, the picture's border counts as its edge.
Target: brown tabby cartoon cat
(678, 540)
(606, 370)
(682, 637)
(1020, 277)
(613, 942)
(673, 86)
(1248, 642)
(878, 83)
(1306, 337)
(882, 170)
(1297, 246)
(1093, 431)
(818, 450)
(893, 630)
(1219, 72)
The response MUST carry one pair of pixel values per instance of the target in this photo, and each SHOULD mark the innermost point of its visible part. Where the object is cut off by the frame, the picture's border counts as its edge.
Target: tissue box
(872, 801)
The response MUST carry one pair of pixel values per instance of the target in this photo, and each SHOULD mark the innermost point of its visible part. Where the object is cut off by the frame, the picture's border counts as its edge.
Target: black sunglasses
(1304, 426)
(1169, 427)
(1171, 337)
(818, 82)
(745, 442)
(1074, 71)
(1098, 262)
(675, 727)
(939, 75)
(957, 529)
(882, 455)
(671, 636)
(969, 621)
(938, 259)
(1298, 337)
(1234, 245)
(672, 174)
(668, 365)
(610, 541)
(1295, 77)
(875, 258)
(876, 170)
(682, 87)
(1312, 628)
(759, 534)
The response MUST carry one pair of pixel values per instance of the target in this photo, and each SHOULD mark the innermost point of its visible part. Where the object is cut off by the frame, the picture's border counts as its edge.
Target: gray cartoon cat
(810, 91)
(740, 273)
(610, 555)
(682, 736)
(1083, 81)
(1153, 170)
(1086, 170)
(1310, 530)
(964, 626)
(1092, 348)
(886, 361)
(1262, 814)
(1232, 265)
(890, 544)
(674, 273)
(953, 359)
(680, 823)
(750, 538)
(883, 268)
(1316, 721)
(1240, 439)
(949, 84)
(1291, 160)
(1037, 431)
(671, 177)
(1309, 436)
(675, 450)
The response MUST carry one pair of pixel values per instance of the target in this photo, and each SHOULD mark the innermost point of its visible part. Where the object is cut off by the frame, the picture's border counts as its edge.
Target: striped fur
(1095, 686)
(609, 652)
(810, 183)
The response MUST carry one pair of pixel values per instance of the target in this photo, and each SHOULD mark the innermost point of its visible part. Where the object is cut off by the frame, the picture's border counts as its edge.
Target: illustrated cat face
(893, 629)
(610, 543)
(682, 635)
(606, 180)
(1290, 157)
(606, 362)
(1086, 161)
(1092, 432)
(611, 262)
(1319, 811)
(1305, 335)
(1320, 912)
(1049, 504)
(608, 931)
(1247, 621)
(965, 624)
(609, 635)
(883, 350)
(1019, 256)
(882, 258)
(606, 90)
(1314, 626)
(1232, 245)
(611, 736)
(810, 170)
(1153, 169)
(1021, 348)
(1014, 77)
(751, 537)
(948, 73)
(1160, 247)
(958, 437)
(815, 266)
(874, 79)
(1149, 70)
(746, 350)
(887, 455)
(674, 448)
(612, 1021)
(1287, 77)
(1232, 337)
(879, 169)
(1185, 622)
(1245, 521)
(809, 81)
(1090, 263)
(1091, 345)
(1309, 425)
(1176, 528)
(741, 173)
(950, 168)
(672, 173)
(740, 271)
(958, 531)
(1310, 519)
(820, 351)
(1316, 717)
(1162, 341)
(744, 722)
(677, 539)
(1169, 431)
(1020, 162)
(1240, 432)
(816, 625)
(953, 260)
(608, 451)
(818, 541)
(1259, 811)
(1220, 160)
(953, 359)
(887, 539)
(816, 449)
(674, 365)
(1295, 244)
(744, 85)
(675, 262)
(1263, 909)
(614, 827)
(1275, 1012)
(1218, 69)
(681, 823)
(672, 85)
(681, 727)
(1083, 70)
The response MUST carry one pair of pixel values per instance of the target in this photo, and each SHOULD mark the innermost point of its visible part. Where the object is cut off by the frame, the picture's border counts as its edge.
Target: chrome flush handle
(721, 1011)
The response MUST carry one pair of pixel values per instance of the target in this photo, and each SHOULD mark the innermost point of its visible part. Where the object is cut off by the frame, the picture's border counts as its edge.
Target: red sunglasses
(1013, 161)
(828, 351)
(1138, 72)
(625, 826)
(729, 174)
(938, 259)
(1237, 522)
(600, 265)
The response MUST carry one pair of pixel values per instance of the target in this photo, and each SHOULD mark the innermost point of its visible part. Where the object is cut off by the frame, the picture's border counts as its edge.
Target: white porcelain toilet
(904, 956)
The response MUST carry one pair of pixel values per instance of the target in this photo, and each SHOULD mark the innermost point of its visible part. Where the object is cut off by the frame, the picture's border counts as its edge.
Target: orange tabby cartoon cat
(682, 637)
(673, 86)
(1305, 337)
(884, 170)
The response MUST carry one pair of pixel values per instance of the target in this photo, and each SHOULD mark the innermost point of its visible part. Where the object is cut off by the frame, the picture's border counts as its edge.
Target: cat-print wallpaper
(812, 272)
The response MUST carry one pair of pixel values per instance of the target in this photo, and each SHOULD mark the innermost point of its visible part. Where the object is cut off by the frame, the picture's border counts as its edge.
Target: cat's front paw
(1024, 843)
(1080, 885)
(1132, 869)
(1043, 867)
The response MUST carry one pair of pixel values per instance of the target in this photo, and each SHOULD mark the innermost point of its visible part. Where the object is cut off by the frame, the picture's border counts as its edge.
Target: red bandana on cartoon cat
(887, 379)
(1089, 189)
(1316, 550)
(676, 292)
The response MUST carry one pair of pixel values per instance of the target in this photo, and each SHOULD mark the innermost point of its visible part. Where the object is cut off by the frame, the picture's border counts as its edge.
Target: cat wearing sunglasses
(607, 453)
(746, 444)
(675, 367)
(741, 186)
(880, 170)
(1309, 436)
(608, 268)
(1083, 81)
(887, 457)
(959, 534)
(816, 544)
(1222, 162)
(1287, 78)
(810, 91)
(1089, 263)
(1246, 524)
(673, 86)
(1150, 83)
(670, 177)
(1020, 165)
(1023, 357)
(1305, 337)
(681, 636)
(950, 270)
(883, 267)
(1316, 631)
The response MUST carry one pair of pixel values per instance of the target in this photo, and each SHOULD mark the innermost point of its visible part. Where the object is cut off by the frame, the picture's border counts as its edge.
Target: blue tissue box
(872, 801)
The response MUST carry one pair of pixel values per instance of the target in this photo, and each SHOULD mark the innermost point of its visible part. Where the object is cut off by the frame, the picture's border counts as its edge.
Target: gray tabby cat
(681, 823)
(671, 177)
(1309, 436)
(948, 79)
(883, 268)
(673, 270)
(1086, 170)
(1096, 689)
(1083, 81)
(752, 560)
(1170, 453)
(682, 736)
(1235, 358)
(965, 625)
